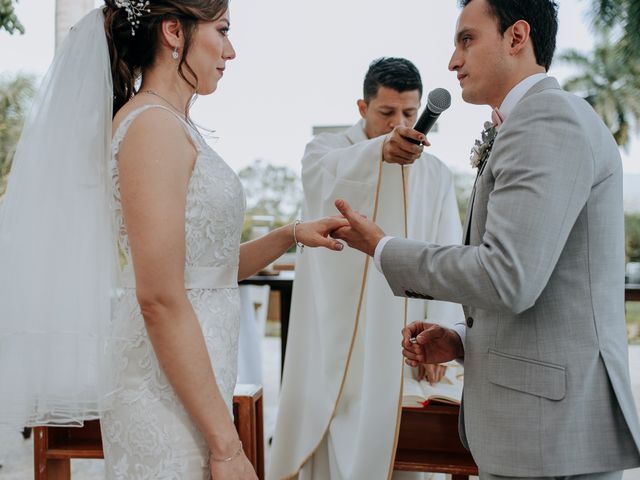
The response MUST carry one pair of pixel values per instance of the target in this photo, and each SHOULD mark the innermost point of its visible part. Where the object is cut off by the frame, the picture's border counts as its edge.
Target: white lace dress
(148, 434)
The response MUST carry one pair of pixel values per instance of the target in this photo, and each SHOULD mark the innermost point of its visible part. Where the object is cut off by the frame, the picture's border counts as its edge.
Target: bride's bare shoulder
(133, 104)
(154, 133)
(154, 124)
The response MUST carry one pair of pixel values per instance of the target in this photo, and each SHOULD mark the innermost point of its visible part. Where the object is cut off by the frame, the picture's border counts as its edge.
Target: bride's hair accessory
(135, 9)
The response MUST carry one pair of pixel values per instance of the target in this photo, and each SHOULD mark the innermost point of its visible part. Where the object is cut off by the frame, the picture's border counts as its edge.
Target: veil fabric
(58, 257)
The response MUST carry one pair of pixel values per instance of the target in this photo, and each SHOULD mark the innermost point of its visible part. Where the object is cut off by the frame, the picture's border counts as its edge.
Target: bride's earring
(175, 55)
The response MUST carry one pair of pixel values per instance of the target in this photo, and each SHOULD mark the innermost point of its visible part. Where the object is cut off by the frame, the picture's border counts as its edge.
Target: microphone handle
(424, 124)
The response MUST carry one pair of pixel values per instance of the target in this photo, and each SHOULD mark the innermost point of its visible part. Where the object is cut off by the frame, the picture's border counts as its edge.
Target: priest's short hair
(391, 72)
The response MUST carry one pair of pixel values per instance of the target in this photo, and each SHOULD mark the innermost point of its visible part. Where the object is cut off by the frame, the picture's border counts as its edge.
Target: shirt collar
(517, 92)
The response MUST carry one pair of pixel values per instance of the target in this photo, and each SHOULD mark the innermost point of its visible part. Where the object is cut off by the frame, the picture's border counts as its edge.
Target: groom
(541, 273)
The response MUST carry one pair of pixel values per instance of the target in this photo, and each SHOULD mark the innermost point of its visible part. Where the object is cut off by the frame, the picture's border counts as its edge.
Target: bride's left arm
(257, 254)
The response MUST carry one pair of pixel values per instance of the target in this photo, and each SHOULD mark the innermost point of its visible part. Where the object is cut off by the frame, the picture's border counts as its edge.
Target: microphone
(437, 102)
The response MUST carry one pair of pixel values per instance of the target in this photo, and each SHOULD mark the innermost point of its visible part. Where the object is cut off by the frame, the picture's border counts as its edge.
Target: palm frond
(632, 28)
(605, 13)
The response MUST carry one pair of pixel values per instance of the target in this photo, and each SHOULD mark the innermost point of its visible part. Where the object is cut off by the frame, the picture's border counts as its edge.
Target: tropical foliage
(16, 94)
(271, 190)
(623, 18)
(632, 236)
(610, 83)
(609, 77)
(8, 19)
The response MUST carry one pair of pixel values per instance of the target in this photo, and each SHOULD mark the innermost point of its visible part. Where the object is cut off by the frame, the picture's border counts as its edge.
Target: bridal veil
(58, 257)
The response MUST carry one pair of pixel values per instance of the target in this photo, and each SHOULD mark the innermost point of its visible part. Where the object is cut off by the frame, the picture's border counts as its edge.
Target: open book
(418, 394)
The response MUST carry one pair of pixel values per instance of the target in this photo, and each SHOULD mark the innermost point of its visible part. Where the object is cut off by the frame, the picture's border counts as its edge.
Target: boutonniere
(482, 148)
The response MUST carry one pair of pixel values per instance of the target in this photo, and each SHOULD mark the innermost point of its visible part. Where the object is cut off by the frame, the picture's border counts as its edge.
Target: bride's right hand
(239, 468)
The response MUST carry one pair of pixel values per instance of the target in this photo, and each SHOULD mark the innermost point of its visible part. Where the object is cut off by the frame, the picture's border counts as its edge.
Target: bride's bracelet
(228, 459)
(295, 239)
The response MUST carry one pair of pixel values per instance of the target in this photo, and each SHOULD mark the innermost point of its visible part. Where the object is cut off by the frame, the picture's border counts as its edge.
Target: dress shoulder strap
(122, 129)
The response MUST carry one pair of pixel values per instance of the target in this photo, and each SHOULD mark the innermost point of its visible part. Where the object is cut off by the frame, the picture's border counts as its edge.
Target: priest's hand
(361, 233)
(397, 149)
(433, 344)
(431, 372)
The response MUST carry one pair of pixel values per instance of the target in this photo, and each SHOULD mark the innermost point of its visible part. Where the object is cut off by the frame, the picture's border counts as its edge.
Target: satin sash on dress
(194, 277)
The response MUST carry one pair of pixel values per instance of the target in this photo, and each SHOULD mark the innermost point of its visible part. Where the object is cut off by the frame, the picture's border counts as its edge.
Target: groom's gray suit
(542, 279)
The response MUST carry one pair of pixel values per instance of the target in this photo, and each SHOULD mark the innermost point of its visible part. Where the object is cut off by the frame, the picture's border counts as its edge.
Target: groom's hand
(361, 234)
(433, 344)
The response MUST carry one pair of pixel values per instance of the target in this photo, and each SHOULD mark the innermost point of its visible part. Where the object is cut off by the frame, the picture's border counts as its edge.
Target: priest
(340, 400)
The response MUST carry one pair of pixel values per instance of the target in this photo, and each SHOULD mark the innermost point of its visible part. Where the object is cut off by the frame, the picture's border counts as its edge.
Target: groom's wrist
(377, 255)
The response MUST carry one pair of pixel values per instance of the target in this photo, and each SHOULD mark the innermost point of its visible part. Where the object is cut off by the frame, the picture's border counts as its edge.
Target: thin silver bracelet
(228, 459)
(295, 239)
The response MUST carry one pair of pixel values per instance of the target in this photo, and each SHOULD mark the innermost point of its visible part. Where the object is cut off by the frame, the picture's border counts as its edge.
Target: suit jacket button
(470, 322)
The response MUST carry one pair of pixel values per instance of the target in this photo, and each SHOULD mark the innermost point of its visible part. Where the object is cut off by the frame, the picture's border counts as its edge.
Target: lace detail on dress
(148, 434)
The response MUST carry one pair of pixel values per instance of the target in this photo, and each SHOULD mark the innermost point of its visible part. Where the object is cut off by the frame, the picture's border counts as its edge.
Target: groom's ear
(519, 33)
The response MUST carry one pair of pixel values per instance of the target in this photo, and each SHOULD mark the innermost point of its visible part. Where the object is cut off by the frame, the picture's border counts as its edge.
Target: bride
(176, 211)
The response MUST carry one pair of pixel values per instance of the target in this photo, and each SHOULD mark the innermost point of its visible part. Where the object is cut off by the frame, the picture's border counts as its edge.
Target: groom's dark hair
(391, 72)
(542, 17)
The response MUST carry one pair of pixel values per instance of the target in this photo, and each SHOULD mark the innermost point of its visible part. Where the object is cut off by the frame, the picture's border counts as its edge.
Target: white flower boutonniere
(482, 148)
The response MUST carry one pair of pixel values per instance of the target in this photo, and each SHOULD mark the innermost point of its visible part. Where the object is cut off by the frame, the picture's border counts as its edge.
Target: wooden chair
(429, 442)
(247, 413)
(54, 447)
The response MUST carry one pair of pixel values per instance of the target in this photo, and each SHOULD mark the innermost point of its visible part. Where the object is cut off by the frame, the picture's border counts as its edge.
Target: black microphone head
(438, 100)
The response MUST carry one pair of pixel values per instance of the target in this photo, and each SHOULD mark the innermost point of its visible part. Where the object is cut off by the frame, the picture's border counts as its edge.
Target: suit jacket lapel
(544, 84)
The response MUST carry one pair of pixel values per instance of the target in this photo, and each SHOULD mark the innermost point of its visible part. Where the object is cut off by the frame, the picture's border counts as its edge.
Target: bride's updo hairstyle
(133, 46)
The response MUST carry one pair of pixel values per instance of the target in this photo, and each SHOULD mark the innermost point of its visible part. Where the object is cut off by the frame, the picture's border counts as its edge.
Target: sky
(301, 64)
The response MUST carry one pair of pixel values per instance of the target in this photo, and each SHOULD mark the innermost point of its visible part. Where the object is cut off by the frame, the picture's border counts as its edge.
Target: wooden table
(54, 447)
(632, 292)
(282, 283)
(429, 442)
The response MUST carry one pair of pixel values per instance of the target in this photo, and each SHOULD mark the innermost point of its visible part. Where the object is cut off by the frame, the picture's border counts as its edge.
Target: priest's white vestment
(340, 397)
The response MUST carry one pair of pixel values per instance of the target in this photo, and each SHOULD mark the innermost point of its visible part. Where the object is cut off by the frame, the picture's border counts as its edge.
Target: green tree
(610, 84)
(270, 190)
(632, 237)
(623, 17)
(16, 95)
(8, 19)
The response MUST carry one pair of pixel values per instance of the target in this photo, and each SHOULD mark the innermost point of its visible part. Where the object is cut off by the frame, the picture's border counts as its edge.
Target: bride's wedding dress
(148, 434)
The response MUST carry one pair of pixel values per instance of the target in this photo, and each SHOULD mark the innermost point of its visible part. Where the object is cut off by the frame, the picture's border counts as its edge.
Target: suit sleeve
(448, 232)
(543, 169)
